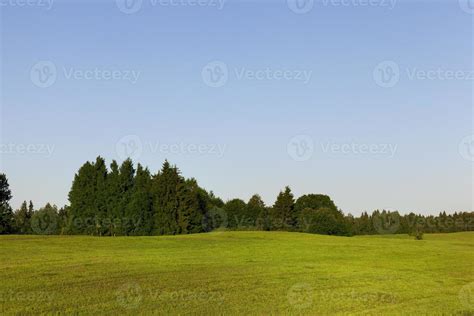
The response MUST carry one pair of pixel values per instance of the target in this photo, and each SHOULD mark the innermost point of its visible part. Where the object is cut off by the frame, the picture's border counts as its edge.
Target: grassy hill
(238, 273)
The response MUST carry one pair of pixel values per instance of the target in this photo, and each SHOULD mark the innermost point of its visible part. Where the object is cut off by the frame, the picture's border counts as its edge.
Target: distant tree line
(126, 201)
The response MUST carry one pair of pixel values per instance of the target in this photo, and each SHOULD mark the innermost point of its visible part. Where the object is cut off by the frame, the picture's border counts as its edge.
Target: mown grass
(238, 273)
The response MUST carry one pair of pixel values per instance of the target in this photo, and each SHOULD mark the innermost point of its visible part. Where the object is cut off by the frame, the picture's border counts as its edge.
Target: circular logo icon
(43, 74)
(129, 146)
(215, 74)
(44, 223)
(300, 295)
(216, 219)
(300, 147)
(387, 74)
(129, 295)
(300, 6)
(467, 6)
(466, 148)
(386, 222)
(129, 6)
(466, 295)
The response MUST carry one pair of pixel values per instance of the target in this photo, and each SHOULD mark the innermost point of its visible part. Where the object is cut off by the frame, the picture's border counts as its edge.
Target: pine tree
(113, 199)
(192, 207)
(127, 181)
(22, 219)
(82, 198)
(165, 200)
(63, 217)
(6, 212)
(100, 197)
(284, 216)
(140, 207)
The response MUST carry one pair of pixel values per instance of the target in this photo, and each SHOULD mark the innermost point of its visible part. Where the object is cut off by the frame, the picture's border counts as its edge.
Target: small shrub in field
(418, 233)
(419, 236)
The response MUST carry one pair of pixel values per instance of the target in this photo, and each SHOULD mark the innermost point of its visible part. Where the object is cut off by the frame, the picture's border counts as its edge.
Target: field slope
(238, 273)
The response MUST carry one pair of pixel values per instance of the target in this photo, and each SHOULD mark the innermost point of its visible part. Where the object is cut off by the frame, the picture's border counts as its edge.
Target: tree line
(121, 200)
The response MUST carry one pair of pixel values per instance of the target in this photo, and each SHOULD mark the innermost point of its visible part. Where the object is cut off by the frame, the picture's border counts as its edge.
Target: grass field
(238, 273)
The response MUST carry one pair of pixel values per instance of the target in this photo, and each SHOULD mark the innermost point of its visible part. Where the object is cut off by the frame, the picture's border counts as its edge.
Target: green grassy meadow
(219, 273)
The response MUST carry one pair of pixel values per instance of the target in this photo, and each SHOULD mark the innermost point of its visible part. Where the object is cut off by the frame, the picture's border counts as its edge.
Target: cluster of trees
(387, 222)
(124, 201)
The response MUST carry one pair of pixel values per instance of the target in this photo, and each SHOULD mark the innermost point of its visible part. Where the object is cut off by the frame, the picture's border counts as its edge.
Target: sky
(369, 102)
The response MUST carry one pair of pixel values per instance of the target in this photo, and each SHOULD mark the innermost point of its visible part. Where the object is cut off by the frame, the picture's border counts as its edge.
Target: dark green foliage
(215, 219)
(323, 221)
(264, 220)
(5, 193)
(318, 214)
(124, 202)
(315, 202)
(46, 221)
(255, 210)
(139, 209)
(236, 212)
(126, 216)
(165, 200)
(100, 196)
(6, 213)
(6, 219)
(214, 201)
(283, 213)
(63, 217)
(192, 207)
(83, 201)
(23, 218)
(113, 200)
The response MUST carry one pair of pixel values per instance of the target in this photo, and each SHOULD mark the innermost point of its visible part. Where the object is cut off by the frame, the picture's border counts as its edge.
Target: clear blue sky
(241, 137)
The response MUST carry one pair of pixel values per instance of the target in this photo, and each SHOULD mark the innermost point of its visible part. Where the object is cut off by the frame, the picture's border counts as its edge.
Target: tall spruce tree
(100, 197)
(165, 200)
(127, 181)
(139, 208)
(284, 216)
(113, 199)
(82, 200)
(192, 207)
